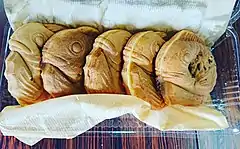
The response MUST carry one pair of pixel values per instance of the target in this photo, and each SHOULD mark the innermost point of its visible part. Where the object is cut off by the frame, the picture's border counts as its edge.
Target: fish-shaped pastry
(21, 84)
(66, 50)
(103, 66)
(185, 70)
(138, 68)
(25, 44)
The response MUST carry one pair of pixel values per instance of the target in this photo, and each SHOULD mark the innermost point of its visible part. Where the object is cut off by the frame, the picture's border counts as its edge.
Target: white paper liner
(69, 116)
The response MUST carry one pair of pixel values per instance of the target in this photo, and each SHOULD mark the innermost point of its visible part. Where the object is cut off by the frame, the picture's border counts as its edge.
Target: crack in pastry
(137, 72)
(186, 70)
(103, 65)
(66, 50)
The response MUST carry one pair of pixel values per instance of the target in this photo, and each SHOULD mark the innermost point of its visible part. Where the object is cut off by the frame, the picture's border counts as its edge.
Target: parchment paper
(70, 116)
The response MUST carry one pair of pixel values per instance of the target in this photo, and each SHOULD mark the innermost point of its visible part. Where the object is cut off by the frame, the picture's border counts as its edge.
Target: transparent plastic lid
(225, 96)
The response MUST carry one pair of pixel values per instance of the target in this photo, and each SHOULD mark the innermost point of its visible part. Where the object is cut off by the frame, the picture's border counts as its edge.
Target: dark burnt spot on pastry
(199, 66)
(205, 68)
(210, 61)
(158, 84)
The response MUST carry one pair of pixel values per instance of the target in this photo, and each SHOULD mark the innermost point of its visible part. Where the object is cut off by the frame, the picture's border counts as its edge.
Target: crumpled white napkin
(69, 116)
(208, 17)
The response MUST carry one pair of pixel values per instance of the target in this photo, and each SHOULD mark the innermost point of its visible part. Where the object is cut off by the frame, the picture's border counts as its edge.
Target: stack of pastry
(49, 60)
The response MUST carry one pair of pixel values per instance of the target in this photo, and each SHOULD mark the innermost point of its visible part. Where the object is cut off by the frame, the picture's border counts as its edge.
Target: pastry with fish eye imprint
(27, 41)
(25, 44)
(102, 71)
(138, 67)
(65, 54)
(185, 70)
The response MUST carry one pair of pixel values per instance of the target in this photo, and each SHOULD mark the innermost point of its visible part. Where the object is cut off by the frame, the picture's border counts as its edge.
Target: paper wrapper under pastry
(66, 50)
(102, 71)
(23, 63)
(186, 66)
(137, 73)
(70, 116)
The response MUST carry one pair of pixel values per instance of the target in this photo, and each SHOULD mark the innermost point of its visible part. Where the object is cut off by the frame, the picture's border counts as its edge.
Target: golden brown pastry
(27, 40)
(102, 70)
(90, 31)
(23, 63)
(137, 73)
(56, 82)
(186, 70)
(20, 81)
(66, 50)
(54, 27)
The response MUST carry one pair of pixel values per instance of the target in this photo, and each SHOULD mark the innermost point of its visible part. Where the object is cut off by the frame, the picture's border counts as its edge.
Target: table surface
(200, 140)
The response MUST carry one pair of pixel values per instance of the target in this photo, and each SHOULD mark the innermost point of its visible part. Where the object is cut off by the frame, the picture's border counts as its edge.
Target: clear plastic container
(226, 94)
